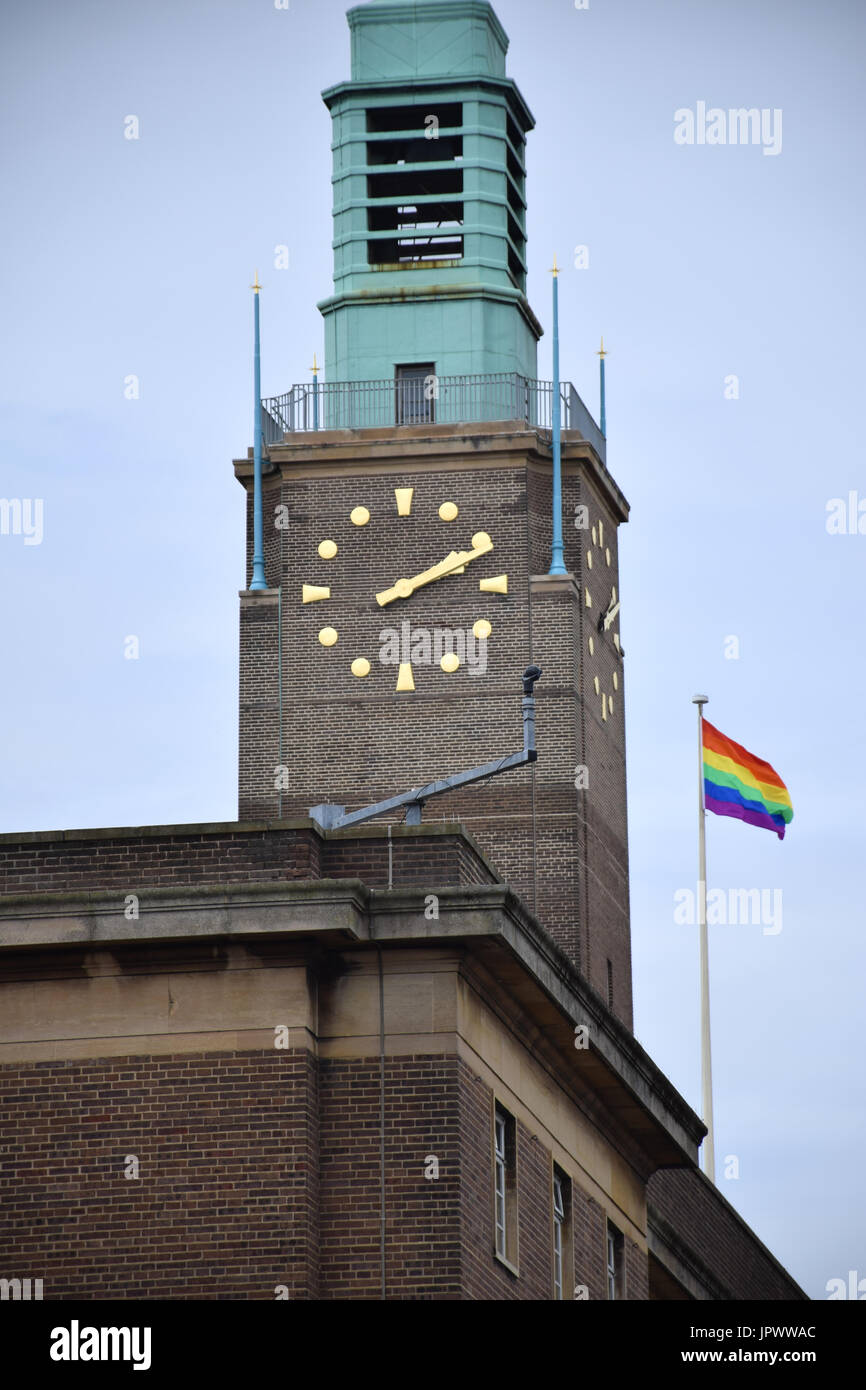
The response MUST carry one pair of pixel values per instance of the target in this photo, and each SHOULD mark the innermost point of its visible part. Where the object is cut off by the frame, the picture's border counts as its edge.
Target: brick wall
(225, 1205)
(739, 1267)
(590, 1234)
(169, 857)
(636, 1271)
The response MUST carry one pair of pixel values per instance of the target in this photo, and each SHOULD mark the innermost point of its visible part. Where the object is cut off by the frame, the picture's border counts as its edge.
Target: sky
(727, 281)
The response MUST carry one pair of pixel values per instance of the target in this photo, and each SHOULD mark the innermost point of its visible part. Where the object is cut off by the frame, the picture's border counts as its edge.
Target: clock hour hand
(610, 615)
(404, 588)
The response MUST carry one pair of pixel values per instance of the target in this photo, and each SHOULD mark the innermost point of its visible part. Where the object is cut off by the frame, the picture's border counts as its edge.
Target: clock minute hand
(404, 588)
(610, 615)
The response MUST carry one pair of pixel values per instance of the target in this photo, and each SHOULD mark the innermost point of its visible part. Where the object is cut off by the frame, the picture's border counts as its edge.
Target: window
(415, 184)
(505, 1186)
(415, 393)
(500, 1183)
(563, 1241)
(614, 1263)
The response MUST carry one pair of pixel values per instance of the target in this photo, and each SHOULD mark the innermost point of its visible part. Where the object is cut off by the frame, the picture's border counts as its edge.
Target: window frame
(504, 1151)
(562, 1249)
(615, 1245)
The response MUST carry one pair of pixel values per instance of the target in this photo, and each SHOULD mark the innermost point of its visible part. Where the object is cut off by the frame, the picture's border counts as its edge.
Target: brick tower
(431, 435)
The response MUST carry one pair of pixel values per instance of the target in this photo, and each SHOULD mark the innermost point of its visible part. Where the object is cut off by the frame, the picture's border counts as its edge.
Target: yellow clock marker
(449, 511)
(404, 500)
(327, 550)
(314, 593)
(615, 681)
(450, 662)
(359, 516)
(591, 646)
(405, 680)
(328, 636)
(589, 559)
(607, 554)
(360, 666)
(497, 585)
(482, 629)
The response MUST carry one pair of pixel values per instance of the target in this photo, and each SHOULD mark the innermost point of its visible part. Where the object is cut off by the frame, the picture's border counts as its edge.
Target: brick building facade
(238, 1091)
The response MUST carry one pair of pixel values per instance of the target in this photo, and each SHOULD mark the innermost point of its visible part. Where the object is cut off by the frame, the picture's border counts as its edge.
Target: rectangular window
(505, 1186)
(614, 1263)
(562, 1235)
(500, 1163)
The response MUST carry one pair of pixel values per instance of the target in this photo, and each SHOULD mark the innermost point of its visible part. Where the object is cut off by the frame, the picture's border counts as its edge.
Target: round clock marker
(482, 629)
(328, 636)
(449, 511)
(327, 550)
(359, 516)
(450, 662)
(360, 666)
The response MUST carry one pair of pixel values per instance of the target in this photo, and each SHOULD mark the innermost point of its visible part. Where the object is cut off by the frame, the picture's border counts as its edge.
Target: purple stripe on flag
(761, 818)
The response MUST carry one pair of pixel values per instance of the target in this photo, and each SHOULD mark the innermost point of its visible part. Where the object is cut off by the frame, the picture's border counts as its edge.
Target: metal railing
(417, 400)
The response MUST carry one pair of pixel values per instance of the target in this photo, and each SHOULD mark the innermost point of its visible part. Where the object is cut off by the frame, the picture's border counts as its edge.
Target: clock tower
(408, 507)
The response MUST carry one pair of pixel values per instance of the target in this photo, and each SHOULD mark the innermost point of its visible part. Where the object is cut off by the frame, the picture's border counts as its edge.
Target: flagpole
(557, 561)
(258, 580)
(706, 1054)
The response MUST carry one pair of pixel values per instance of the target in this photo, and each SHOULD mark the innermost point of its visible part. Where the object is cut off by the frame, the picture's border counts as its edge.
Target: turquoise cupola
(429, 179)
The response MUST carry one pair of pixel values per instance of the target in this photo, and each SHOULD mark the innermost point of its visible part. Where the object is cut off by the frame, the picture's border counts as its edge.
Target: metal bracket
(331, 817)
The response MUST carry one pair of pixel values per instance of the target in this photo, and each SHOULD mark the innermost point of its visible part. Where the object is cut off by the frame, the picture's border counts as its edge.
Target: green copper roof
(429, 198)
(432, 38)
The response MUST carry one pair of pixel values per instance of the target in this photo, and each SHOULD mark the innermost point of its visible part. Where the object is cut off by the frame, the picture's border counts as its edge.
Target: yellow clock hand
(404, 588)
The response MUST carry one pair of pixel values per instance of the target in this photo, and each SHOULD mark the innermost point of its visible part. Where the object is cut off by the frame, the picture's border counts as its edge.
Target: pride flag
(736, 783)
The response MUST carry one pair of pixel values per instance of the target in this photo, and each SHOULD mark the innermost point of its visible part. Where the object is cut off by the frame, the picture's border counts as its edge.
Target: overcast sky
(706, 262)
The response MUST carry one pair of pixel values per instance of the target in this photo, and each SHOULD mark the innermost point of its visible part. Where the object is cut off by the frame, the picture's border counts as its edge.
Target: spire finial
(314, 369)
(555, 269)
(601, 352)
(256, 286)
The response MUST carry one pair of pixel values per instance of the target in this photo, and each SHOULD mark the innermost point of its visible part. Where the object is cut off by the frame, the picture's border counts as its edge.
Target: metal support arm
(335, 817)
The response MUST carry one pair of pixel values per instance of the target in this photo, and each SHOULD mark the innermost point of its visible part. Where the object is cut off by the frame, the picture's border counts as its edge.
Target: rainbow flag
(736, 783)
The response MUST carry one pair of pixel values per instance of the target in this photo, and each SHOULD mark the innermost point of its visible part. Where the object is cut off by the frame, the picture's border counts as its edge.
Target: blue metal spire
(557, 564)
(258, 580)
(601, 356)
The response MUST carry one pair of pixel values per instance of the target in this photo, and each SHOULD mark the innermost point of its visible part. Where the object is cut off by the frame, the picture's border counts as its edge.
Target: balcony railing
(444, 400)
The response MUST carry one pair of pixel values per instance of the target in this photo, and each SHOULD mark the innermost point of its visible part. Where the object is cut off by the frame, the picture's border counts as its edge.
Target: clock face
(600, 596)
(445, 552)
